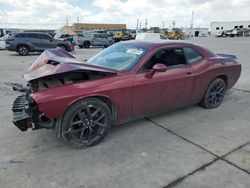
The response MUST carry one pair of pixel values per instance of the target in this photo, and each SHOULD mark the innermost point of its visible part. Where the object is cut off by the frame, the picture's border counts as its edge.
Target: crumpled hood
(57, 61)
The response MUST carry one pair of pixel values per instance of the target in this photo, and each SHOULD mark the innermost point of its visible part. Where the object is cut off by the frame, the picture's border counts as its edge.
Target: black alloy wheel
(215, 94)
(86, 122)
(23, 50)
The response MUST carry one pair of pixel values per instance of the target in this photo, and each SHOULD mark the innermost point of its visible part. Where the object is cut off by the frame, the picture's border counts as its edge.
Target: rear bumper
(10, 47)
(20, 117)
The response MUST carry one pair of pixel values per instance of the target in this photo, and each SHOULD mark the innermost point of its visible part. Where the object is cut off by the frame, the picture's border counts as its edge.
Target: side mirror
(159, 68)
(156, 68)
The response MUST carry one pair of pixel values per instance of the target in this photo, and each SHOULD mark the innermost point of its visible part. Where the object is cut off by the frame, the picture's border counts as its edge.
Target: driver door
(163, 91)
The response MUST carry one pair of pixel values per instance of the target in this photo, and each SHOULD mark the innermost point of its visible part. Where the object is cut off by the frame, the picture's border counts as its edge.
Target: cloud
(53, 14)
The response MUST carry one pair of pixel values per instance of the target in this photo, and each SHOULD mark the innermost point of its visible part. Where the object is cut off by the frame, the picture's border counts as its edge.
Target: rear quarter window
(162, 37)
(21, 35)
(192, 55)
(33, 35)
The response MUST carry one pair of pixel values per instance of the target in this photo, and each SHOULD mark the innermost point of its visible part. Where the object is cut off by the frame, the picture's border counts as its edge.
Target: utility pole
(137, 24)
(140, 25)
(67, 22)
(191, 26)
(173, 23)
(77, 19)
(192, 19)
(146, 23)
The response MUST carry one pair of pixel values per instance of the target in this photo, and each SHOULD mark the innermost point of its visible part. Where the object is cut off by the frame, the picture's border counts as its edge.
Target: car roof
(168, 43)
(158, 43)
(30, 33)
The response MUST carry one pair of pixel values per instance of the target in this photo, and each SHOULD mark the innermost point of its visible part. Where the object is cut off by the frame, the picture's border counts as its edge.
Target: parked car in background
(26, 42)
(94, 39)
(128, 80)
(2, 42)
(150, 37)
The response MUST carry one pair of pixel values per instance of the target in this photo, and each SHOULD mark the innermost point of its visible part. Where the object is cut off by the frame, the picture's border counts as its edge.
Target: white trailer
(219, 27)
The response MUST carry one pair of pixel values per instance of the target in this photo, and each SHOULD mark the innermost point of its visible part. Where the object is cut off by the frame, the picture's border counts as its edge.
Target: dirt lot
(188, 148)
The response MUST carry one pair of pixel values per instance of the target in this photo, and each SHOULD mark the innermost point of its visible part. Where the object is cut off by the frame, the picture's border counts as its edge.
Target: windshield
(122, 57)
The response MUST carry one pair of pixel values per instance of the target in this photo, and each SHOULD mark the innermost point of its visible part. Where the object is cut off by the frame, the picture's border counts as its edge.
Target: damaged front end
(26, 113)
(53, 68)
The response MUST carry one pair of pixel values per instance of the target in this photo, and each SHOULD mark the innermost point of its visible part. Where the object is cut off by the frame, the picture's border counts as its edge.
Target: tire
(86, 44)
(214, 94)
(86, 123)
(80, 46)
(23, 50)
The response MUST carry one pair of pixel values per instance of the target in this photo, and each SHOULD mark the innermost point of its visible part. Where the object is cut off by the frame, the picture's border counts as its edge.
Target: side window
(192, 55)
(168, 57)
(104, 36)
(33, 35)
(162, 37)
(46, 37)
(19, 35)
(97, 36)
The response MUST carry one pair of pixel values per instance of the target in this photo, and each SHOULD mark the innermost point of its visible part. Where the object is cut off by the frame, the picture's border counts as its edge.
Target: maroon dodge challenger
(129, 80)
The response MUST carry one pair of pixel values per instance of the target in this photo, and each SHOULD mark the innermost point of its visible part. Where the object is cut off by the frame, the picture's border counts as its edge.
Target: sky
(52, 14)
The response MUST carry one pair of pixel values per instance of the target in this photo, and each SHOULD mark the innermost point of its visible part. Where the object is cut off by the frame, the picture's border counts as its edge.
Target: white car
(2, 42)
(150, 37)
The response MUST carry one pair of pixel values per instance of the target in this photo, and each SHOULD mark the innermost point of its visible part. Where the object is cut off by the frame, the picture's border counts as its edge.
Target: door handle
(189, 72)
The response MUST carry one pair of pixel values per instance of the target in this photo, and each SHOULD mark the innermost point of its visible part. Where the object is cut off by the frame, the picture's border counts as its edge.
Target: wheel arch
(86, 41)
(223, 77)
(22, 45)
(103, 98)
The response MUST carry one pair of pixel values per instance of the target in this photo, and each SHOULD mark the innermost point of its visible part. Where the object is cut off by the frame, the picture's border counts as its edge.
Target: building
(79, 27)
(6, 31)
(196, 32)
(218, 27)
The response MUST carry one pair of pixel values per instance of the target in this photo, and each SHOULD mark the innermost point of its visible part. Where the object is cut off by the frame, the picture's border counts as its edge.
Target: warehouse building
(196, 32)
(79, 27)
(218, 27)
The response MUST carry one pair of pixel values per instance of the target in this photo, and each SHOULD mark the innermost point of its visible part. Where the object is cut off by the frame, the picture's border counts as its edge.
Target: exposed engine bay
(26, 113)
(53, 68)
(65, 78)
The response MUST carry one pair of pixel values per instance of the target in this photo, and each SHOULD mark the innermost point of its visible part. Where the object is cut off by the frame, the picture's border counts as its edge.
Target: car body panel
(135, 93)
(2, 42)
(95, 39)
(62, 62)
(116, 88)
(35, 41)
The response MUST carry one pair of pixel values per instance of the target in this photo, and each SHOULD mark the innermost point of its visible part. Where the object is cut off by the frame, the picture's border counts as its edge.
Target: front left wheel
(86, 122)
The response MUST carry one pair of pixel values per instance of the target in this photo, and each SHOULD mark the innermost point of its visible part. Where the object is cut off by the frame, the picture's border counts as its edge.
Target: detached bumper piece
(20, 118)
(17, 87)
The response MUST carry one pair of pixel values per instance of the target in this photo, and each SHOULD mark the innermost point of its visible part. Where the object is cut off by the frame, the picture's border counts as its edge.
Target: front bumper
(20, 116)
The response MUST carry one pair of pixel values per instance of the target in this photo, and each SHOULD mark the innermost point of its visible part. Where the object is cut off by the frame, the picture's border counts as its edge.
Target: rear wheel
(23, 50)
(86, 123)
(86, 44)
(215, 94)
